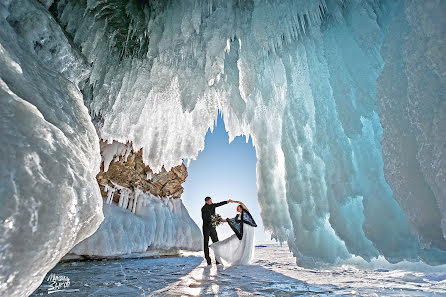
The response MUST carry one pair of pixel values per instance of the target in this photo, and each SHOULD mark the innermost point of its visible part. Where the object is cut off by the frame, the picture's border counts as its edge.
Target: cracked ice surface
(271, 274)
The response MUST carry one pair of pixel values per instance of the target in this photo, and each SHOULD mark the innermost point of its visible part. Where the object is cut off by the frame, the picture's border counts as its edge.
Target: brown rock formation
(134, 174)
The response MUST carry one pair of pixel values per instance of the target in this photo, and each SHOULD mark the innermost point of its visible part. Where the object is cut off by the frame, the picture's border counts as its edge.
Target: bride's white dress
(234, 251)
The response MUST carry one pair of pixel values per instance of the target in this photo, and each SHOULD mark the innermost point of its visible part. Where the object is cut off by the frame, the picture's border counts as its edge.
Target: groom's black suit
(206, 212)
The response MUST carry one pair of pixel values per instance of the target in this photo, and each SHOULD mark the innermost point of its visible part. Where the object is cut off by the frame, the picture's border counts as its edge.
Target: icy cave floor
(273, 273)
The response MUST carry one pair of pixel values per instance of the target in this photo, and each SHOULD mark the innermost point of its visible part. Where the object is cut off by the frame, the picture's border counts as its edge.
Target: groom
(206, 212)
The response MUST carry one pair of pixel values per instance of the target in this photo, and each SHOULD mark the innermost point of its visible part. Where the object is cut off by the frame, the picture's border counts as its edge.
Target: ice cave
(344, 100)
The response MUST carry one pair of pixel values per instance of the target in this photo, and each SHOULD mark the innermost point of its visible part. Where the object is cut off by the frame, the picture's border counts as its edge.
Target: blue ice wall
(344, 102)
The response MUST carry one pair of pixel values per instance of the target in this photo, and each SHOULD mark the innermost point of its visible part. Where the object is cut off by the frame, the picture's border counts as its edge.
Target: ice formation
(344, 100)
(314, 83)
(49, 150)
(141, 222)
(412, 110)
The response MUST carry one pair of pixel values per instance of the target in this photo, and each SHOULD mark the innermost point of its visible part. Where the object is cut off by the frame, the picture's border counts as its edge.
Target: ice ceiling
(345, 102)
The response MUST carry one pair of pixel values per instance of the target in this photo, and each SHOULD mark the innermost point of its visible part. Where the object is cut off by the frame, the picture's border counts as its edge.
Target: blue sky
(224, 170)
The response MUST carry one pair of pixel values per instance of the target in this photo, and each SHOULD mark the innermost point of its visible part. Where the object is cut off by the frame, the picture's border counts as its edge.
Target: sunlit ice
(335, 120)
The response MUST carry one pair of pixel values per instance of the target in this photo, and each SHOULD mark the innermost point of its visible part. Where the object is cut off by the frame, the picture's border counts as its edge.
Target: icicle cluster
(139, 223)
(300, 78)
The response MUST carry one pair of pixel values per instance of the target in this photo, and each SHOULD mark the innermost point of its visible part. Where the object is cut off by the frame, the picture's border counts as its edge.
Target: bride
(237, 249)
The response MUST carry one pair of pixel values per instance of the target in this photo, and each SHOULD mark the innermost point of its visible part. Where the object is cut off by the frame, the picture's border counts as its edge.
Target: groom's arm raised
(220, 203)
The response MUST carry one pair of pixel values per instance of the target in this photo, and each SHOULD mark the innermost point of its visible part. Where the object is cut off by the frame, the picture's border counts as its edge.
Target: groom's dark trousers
(208, 231)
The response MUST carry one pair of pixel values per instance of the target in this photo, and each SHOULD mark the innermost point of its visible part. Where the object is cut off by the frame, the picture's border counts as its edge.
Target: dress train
(234, 251)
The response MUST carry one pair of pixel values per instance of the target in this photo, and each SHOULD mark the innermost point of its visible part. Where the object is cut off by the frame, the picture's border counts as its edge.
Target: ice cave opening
(224, 170)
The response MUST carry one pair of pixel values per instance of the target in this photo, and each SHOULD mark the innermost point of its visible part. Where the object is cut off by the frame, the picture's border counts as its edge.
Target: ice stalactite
(143, 210)
(49, 150)
(301, 78)
(141, 223)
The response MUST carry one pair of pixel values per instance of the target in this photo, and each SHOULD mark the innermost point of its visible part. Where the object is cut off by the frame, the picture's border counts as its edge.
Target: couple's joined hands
(239, 202)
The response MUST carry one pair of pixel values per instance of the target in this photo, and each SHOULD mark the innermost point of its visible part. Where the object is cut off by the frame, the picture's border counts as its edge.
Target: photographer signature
(57, 283)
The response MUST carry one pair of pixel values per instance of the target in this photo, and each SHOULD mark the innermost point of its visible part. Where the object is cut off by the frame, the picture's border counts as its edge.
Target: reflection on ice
(126, 277)
(273, 273)
(252, 280)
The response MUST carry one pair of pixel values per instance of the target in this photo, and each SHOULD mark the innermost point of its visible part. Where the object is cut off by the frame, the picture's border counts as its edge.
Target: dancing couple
(237, 249)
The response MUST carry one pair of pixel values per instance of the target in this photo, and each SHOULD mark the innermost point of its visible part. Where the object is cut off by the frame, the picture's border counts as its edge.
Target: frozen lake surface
(273, 273)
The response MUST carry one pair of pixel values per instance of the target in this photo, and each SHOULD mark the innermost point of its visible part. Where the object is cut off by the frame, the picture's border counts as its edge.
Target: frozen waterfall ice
(345, 102)
(151, 223)
(49, 150)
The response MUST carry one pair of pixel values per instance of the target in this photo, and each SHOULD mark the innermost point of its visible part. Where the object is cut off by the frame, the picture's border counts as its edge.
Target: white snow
(49, 150)
(141, 223)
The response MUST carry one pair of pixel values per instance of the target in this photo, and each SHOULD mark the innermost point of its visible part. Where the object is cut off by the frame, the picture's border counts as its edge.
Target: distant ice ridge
(49, 150)
(351, 157)
(142, 222)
